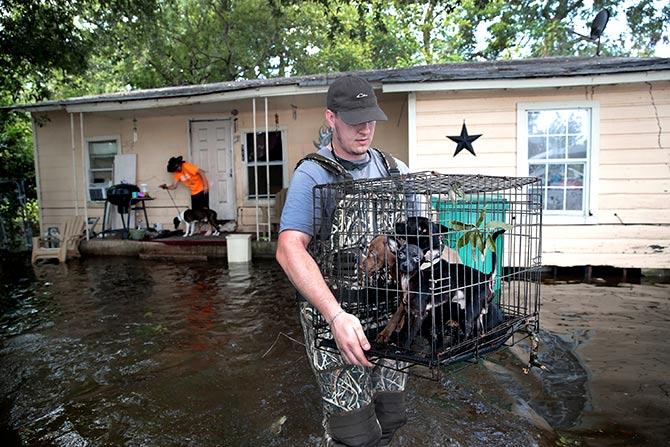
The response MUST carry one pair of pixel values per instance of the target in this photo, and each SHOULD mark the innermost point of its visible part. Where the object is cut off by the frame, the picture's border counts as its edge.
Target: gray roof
(468, 71)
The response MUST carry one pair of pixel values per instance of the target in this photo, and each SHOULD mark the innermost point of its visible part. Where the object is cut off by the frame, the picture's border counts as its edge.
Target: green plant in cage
(480, 235)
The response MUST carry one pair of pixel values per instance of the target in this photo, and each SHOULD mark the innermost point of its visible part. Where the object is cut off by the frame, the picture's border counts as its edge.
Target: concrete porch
(196, 248)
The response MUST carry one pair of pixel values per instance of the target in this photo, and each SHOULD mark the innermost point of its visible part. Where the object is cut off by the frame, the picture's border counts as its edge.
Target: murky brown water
(114, 351)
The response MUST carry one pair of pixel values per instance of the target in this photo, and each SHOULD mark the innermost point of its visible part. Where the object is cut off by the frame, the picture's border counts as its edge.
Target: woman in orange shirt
(193, 178)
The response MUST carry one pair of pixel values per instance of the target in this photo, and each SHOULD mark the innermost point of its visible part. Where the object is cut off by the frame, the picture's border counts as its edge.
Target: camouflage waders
(362, 406)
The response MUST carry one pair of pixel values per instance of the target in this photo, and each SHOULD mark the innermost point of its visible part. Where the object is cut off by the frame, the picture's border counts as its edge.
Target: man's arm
(303, 272)
(172, 186)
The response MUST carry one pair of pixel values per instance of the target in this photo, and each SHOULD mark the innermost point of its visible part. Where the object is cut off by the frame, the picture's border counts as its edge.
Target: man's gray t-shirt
(298, 212)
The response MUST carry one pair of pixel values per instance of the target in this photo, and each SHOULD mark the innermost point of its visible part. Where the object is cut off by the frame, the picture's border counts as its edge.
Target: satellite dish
(599, 24)
(597, 28)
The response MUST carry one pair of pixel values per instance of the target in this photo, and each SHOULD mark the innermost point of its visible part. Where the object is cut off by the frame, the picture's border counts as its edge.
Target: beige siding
(164, 132)
(159, 137)
(630, 226)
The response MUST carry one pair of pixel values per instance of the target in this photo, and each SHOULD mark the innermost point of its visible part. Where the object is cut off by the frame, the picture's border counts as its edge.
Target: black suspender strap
(389, 162)
(328, 164)
(337, 169)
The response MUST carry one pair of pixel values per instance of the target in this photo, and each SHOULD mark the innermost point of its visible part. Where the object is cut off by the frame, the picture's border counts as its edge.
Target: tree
(531, 28)
(45, 45)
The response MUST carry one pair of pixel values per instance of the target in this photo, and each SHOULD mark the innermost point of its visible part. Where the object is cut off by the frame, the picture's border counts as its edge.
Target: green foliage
(16, 157)
(43, 40)
(480, 235)
(648, 26)
(38, 38)
(76, 47)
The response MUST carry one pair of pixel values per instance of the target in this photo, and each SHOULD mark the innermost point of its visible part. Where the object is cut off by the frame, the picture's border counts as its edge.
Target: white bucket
(143, 188)
(239, 247)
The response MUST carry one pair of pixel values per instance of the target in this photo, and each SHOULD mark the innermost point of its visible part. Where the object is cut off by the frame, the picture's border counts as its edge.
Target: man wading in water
(364, 404)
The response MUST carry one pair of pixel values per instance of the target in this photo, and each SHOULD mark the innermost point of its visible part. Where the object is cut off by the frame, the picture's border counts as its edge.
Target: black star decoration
(464, 141)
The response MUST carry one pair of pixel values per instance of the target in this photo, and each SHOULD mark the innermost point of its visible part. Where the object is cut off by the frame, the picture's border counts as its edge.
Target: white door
(212, 151)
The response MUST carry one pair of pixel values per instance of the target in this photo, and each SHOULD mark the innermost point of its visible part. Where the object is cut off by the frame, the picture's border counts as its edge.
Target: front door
(212, 151)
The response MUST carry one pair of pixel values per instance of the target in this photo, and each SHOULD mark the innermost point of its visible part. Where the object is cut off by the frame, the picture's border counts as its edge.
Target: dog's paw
(384, 336)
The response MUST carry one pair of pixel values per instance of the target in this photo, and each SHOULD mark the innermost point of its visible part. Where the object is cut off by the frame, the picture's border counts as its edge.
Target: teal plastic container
(467, 211)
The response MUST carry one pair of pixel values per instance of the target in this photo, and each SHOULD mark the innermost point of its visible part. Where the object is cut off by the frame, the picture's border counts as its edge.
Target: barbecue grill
(121, 196)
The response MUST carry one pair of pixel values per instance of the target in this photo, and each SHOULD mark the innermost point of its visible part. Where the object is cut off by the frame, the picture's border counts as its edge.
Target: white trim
(130, 104)
(75, 190)
(594, 160)
(217, 117)
(214, 118)
(189, 137)
(267, 149)
(86, 157)
(38, 184)
(510, 84)
(589, 215)
(267, 168)
(411, 131)
(283, 130)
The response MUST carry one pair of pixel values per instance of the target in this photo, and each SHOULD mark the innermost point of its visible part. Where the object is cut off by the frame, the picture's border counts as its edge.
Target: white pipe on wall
(84, 177)
(267, 167)
(253, 103)
(75, 190)
(38, 184)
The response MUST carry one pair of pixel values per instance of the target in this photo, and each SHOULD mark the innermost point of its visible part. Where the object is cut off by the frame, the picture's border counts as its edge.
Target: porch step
(195, 250)
(173, 257)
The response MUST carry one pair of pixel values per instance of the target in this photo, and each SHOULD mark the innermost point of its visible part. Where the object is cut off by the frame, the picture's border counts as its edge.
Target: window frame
(98, 139)
(283, 130)
(589, 213)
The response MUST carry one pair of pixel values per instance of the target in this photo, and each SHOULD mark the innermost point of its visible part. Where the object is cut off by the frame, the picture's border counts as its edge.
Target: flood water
(117, 351)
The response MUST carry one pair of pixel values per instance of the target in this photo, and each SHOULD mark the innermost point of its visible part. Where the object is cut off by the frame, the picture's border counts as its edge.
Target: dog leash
(173, 202)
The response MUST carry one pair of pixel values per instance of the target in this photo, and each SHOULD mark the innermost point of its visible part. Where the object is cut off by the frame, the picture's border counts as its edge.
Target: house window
(559, 152)
(261, 161)
(101, 167)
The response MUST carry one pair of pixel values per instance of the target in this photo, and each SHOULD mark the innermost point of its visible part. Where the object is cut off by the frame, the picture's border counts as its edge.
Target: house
(597, 130)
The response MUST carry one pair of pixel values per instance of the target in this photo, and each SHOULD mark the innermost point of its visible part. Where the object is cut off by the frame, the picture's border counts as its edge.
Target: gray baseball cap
(354, 100)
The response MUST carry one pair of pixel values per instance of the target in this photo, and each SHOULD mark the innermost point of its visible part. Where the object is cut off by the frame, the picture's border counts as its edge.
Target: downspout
(38, 184)
(411, 132)
(83, 167)
(255, 168)
(267, 168)
(75, 191)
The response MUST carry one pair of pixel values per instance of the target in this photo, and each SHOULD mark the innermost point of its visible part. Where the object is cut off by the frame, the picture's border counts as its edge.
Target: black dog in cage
(418, 230)
(458, 295)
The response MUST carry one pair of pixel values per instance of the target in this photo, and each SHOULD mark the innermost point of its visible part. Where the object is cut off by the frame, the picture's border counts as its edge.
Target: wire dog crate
(438, 268)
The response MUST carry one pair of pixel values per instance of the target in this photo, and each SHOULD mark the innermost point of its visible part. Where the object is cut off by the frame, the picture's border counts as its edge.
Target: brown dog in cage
(379, 255)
